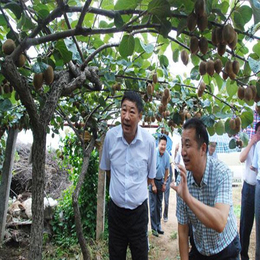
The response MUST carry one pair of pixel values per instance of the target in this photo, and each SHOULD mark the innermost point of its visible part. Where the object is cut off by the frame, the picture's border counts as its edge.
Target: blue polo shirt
(162, 163)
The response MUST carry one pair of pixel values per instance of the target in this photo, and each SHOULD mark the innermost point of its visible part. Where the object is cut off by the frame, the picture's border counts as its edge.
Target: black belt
(158, 179)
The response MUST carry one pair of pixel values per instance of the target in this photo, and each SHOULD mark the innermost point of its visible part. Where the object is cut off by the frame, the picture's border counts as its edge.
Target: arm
(243, 155)
(166, 174)
(154, 188)
(183, 231)
(212, 217)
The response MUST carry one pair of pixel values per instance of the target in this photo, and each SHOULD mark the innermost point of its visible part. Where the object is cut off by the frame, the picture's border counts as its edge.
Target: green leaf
(15, 8)
(181, 26)
(127, 45)
(254, 64)
(5, 105)
(118, 20)
(247, 118)
(232, 143)
(165, 28)
(175, 55)
(159, 7)
(242, 16)
(2, 20)
(64, 52)
(126, 5)
(71, 46)
(164, 62)
(148, 48)
(256, 49)
(39, 67)
(231, 87)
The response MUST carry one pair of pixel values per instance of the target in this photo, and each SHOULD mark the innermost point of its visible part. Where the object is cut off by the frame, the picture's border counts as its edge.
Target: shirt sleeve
(256, 157)
(152, 161)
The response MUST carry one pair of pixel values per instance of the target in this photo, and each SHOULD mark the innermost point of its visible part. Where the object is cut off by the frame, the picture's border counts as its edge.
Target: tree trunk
(38, 184)
(7, 178)
(101, 197)
(82, 241)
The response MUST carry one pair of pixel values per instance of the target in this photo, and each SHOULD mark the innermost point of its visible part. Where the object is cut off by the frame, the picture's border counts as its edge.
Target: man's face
(212, 148)
(191, 153)
(162, 146)
(130, 118)
(258, 132)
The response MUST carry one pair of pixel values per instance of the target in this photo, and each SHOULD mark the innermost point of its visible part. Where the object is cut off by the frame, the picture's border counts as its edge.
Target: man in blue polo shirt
(156, 190)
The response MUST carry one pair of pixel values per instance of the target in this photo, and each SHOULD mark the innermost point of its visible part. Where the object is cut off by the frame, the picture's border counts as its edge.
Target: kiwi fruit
(240, 92)
(228, 34)
(38, 80)
(155, 78)
(248, 94)
(201, 89)
(232, 124)
(166, 93)
(221, 49)
(202, 22)
(164, 101)
(233, 44)
(235, 66)
(228, 67)
(184, 57)
(238, 123)
(224, 75)
(6, 88)
(254, 91)
(192, 21)
(199, 7)
(203, 68)
(194, 45)
(232, 75)
(214, 36)
(21, 60)
(219, 38)
(218, 65)
(149, 89)
(8, 46)
(48, 75)
(210, 67)
(203, 45)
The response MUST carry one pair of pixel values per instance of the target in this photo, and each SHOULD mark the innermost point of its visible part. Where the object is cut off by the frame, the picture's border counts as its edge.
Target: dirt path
(165, 247)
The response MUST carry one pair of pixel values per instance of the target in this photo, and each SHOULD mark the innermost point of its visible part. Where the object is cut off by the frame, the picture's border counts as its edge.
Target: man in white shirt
(129, 158)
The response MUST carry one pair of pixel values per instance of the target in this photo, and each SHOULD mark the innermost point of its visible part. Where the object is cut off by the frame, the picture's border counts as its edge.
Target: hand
(154, 189)
(255, 139)
(163, 187)
(182, 189)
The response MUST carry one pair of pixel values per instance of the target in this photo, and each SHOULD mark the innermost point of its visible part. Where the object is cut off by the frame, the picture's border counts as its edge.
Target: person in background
(129, 158)
(248, 194)
(212, 150)
(205, 200)
(256, 167)
(160, 181)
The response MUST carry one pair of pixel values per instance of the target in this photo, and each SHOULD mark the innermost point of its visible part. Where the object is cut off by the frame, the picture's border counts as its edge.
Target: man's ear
(204, 147)
(140, 116)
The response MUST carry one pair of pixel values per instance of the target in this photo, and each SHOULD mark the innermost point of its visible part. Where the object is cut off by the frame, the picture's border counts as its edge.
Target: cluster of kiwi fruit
(8, 47)
(198, 45)
(249, 93)
(47, 76)
(150, 87)
(198, 17)
(201, 89)
(231, 69)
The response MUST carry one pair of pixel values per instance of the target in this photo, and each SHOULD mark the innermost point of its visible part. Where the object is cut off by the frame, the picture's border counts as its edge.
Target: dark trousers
(231, 252)
(128, 227)
(246, 218)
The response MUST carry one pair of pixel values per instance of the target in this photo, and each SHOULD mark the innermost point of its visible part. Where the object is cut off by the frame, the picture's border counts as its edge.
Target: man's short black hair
(134, 97)
(201, 131)
(162, 137)
(256, 126)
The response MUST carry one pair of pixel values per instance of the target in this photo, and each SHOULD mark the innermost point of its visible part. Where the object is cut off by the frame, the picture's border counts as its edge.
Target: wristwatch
(164, 183)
